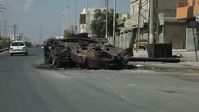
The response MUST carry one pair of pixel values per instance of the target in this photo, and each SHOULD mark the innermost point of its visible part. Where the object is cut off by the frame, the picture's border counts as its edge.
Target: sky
(40, 19)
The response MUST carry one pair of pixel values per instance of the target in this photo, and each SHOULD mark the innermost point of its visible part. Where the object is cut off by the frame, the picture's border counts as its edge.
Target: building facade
(86, 20)
(188, 12)
(134, 10)
(168, 29)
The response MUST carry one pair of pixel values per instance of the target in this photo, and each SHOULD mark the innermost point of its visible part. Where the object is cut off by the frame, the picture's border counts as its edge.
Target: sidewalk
(187, 56)
(193, 64)
(188, 59)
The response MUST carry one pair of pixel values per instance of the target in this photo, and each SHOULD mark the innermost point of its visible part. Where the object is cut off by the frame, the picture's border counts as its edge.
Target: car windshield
(17, 44)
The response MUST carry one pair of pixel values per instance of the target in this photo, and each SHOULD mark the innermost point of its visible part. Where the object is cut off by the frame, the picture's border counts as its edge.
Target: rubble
(83, 52)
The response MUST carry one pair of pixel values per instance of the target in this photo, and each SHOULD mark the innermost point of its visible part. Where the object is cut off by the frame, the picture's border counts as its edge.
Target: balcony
(186, 10)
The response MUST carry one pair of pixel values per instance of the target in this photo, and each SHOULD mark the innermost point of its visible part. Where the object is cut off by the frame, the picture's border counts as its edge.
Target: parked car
(18, 47)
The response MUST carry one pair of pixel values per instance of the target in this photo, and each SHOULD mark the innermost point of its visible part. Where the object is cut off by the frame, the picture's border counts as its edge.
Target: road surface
(23, 88)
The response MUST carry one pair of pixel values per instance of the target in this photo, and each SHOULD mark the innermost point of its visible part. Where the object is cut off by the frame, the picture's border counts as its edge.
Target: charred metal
(83, 52)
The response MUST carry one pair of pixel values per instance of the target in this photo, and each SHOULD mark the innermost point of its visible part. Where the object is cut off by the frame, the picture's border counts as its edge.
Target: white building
(90, 17)
(134, 11)
(15, 38)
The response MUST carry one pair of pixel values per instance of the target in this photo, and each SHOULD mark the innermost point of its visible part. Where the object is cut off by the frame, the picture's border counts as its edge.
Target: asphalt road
(23, 88)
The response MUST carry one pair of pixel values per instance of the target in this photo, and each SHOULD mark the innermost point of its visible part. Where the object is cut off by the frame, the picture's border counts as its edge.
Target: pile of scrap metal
(83, 52)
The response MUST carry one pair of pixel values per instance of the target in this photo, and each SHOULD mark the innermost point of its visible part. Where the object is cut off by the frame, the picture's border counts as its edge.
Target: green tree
(4, 42)
(98, 25)
(68, 33)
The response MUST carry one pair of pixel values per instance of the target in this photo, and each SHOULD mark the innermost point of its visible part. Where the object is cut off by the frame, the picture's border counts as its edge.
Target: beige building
(170, 30)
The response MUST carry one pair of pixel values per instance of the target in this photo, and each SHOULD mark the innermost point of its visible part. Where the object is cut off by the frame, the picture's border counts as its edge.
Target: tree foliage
(98, 25)
(4, 42)
(68, 33)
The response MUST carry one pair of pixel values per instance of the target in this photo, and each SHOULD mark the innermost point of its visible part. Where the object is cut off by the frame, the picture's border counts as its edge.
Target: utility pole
(5, 25)
(195, 44)
(139, 24)
(60, 32)
(114, 21)
(0, 24)
(68, 9)
(15, 29)
(75, 16)
(0, 30)
(41, 33)
(87, 25)
(63, 24)
(151, 22)
(106, 18)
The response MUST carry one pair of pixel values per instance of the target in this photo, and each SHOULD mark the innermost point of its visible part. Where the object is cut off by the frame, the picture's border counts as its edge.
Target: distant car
(18, 47)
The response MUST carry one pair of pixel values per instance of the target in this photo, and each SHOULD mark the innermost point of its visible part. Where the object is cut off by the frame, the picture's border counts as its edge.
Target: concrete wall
(122, 41)
(175, 33)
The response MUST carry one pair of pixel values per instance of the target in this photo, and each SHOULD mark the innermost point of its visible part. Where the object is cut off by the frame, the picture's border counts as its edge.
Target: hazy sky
(44, 17)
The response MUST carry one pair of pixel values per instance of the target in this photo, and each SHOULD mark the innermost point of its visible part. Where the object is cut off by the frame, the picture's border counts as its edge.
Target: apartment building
(186, 12)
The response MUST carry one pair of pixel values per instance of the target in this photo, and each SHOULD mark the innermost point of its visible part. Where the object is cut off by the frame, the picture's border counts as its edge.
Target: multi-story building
(86, 22)
(168, 29)
(188, 12)
(82, 25)
(187, 9)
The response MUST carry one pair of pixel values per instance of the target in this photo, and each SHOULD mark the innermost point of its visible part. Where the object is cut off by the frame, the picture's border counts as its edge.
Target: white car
(18, 47)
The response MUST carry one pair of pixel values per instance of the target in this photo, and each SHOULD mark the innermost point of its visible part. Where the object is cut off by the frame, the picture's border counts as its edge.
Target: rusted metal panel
(83, 52)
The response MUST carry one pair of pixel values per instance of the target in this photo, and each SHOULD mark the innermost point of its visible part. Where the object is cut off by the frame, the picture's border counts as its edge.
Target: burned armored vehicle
(83, 52)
